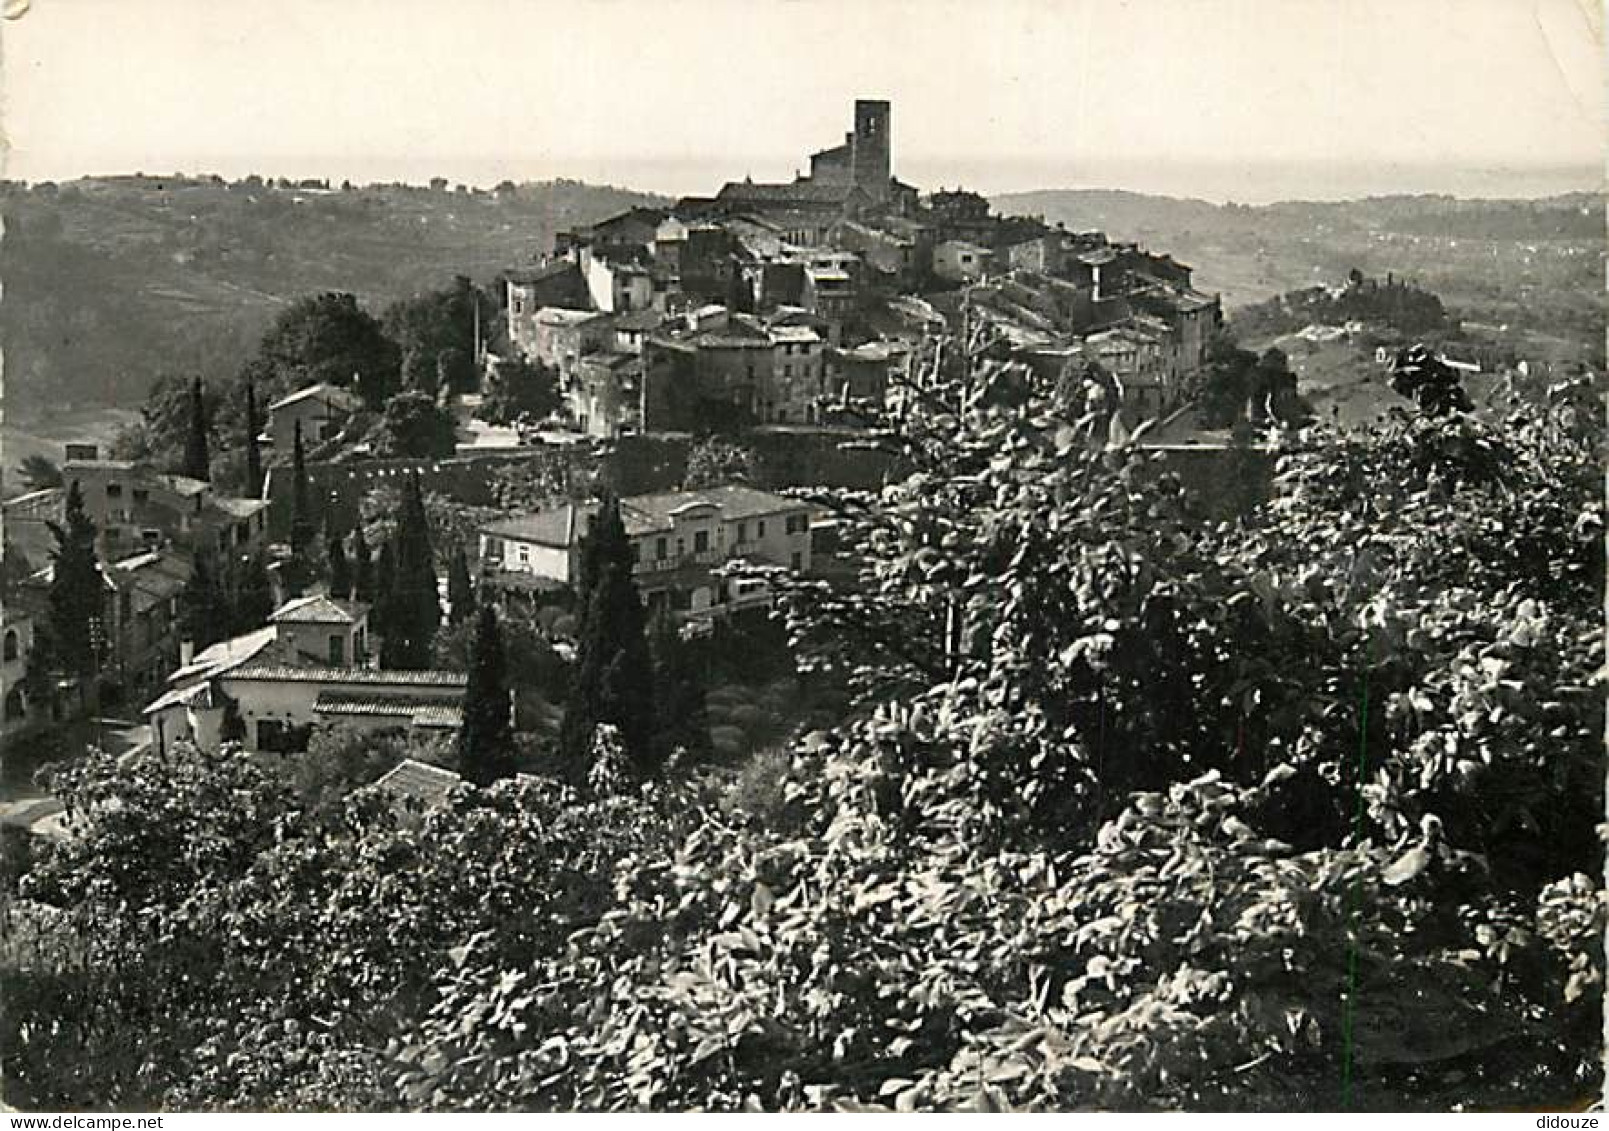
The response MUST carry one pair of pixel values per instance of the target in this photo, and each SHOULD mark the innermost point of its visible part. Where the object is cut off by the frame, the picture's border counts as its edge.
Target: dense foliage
(613, 678)
(1394, 303)
(414, 425)
(1132, 810)
(407, 607)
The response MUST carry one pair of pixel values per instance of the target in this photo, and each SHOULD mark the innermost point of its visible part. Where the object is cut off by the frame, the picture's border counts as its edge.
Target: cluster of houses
(150, 525)
(789, 303)
(767, 305)
(313, 662)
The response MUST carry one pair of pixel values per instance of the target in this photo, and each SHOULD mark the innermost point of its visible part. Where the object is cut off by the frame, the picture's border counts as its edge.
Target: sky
(1224, 99)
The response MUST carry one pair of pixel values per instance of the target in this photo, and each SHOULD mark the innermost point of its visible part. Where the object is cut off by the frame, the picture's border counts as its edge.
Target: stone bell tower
(872, 163)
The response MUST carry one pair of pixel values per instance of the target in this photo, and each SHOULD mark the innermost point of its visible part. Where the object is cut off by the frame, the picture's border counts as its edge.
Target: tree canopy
(1131, 809)
(329, 338)
(613, 679)
(414, 425)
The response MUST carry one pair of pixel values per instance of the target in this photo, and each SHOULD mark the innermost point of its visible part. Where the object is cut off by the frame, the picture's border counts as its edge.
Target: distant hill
(1533, 266)
(111, 282)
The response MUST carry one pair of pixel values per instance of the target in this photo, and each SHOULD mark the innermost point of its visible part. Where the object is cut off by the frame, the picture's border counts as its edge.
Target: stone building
(322, 410)
(677, 537)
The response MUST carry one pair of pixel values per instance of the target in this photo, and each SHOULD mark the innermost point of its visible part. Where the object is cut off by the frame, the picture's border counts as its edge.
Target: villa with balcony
(678, 538)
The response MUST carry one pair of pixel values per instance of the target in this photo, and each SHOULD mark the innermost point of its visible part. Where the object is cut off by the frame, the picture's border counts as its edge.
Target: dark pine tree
(251, 595)
(362, 565)
(203, 612)
(683, 715)
(302, 524)
(337, 568)
(613, 679)
(415, 604)
(486, 740)
(460, 590)
(197, 458)
(254, 455)
(76, 597)
(381, 611)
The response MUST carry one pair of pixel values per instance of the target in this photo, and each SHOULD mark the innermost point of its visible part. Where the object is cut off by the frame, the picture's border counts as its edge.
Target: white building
(677, 537)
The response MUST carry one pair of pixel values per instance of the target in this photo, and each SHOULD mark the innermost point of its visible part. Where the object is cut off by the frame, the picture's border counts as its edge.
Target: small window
(114, 490)
(759, 528)
(742, 532)
(701, 541)
(660, 548)
(10, 652)
(337, 650)
(798, 560)
(141, 494)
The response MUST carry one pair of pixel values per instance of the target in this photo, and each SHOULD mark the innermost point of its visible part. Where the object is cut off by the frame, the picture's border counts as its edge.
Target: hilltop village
(788, 303)
(782, 316)
(819, 645)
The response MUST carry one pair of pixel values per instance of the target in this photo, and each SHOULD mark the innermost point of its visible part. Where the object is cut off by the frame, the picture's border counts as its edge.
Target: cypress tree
(203, 615)
(362, 567)
(683, 715)
(414, 605)
(460, 590)
(340, 573)
(485, 740)
(302, 525)
(385, 574)
(613, 678)
(197, 459)
(254, 455)
(251, 595)
(76, 599)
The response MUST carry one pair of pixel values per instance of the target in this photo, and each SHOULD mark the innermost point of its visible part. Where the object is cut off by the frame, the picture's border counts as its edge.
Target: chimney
(187, 652)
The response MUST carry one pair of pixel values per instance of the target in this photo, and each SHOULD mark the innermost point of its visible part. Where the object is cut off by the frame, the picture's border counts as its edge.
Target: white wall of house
(512, 555)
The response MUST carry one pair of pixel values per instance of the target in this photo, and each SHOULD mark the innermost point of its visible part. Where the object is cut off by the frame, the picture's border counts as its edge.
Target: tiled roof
(563, 316)
(417, 781)
(287, 673)
(237, 507)
(611, 360)
(101, 464)
(416, 710)
(539, 274)
(811, 191)
(873, 351)
(323, 391)
(641, 514)
(791, 333)
(639, 320)
(235, 650)
(637, 213)
(198, 695)
(317, 609)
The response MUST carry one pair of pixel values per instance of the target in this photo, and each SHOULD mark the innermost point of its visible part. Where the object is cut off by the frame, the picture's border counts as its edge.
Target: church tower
(872, 164)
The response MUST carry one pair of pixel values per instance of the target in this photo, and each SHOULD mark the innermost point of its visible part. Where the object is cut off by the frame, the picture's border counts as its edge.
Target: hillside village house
(323, 630)
(280, 705)
(958, 261)
(560, 338)
(322, 410)
(135, 507)
(677, 537)
(283, 680)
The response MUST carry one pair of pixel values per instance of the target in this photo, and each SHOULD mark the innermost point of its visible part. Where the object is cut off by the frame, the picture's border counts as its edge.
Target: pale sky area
(1225, 99)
